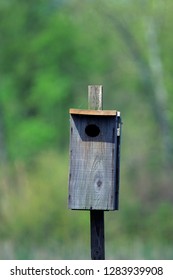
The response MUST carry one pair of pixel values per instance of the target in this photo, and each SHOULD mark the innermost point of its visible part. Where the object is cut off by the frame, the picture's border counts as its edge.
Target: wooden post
(97, 234)
(95, 97)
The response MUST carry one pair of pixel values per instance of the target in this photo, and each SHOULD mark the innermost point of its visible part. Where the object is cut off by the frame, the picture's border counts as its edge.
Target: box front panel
(92, 162)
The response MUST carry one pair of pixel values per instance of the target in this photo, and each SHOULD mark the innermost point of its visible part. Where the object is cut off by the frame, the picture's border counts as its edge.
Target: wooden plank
(92, 166)
(117, 183)
(95, 97)
(93, 112)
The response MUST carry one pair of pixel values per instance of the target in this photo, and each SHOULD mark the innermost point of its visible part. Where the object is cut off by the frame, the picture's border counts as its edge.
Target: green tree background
(50, 51)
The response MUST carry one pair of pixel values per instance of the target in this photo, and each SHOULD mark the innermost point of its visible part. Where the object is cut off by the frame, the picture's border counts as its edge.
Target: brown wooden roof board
(94, 112)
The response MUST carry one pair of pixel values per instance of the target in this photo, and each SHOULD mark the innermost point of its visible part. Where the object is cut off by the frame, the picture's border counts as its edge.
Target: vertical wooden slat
(118, 160)
(95, 102)
(95, 97)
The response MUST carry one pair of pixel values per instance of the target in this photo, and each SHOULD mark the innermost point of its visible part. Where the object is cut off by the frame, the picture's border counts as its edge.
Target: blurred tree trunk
(152, 79)
(5, 178)
(3, 150)
(159, 90)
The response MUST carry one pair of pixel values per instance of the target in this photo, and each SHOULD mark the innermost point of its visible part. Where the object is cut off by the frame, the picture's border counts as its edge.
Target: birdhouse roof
(94, 112)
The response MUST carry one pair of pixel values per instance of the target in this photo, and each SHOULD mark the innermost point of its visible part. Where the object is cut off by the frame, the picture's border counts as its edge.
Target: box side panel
(117, 181)
(92, 164)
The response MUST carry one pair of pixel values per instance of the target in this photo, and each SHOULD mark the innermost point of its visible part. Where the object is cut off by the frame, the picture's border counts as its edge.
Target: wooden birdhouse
(94, 159)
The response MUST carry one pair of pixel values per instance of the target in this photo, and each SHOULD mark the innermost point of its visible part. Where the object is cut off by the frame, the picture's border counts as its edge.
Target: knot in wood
(99, 183)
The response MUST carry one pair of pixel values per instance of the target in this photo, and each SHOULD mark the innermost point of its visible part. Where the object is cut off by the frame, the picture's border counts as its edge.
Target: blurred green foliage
(50, 52)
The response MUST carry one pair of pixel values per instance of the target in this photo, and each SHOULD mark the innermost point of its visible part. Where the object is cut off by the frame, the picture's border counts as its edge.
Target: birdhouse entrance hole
(92, 130)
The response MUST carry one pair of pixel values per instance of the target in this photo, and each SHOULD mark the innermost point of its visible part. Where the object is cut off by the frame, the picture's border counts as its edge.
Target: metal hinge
(119, 125)
(118, 131)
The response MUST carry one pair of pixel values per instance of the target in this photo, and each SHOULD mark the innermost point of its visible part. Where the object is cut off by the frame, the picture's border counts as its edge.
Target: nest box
(94, 159)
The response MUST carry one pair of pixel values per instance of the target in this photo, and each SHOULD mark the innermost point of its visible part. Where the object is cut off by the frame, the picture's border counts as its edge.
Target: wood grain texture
(93, 112)
(92, 166)
(95, 97)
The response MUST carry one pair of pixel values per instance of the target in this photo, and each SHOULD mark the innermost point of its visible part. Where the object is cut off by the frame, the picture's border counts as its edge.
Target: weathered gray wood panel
(95, 97)
(92, 179)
